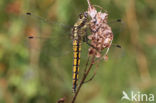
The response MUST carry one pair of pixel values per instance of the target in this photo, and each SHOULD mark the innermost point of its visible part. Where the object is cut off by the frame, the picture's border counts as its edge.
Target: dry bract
(101, 34)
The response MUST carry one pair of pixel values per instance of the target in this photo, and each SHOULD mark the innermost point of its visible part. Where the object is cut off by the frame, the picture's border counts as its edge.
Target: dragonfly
(79, 34)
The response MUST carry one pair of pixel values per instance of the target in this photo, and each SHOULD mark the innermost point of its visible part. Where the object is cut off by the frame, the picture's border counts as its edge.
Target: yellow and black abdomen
(76, 51)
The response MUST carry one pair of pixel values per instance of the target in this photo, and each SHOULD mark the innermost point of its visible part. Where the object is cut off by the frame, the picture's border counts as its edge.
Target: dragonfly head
(83, 15)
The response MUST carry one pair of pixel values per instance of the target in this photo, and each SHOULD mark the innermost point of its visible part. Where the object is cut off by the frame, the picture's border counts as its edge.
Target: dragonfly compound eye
(85, 14)
(81, 16)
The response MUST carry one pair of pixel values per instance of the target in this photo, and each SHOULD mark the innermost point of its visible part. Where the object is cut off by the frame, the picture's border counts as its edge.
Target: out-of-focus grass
(40, 71)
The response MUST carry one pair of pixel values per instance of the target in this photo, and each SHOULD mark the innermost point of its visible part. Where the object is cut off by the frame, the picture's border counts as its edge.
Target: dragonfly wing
(57, 46)
(48, 36)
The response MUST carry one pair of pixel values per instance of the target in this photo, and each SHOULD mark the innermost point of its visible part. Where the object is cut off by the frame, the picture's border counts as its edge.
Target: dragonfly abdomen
(76, 51)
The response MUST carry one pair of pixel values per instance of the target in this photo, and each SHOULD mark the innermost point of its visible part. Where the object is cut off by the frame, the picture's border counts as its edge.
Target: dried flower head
(101, 34)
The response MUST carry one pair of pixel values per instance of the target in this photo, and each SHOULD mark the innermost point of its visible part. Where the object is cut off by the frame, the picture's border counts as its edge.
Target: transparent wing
(47, 42)
(118, 27)
(56, 46)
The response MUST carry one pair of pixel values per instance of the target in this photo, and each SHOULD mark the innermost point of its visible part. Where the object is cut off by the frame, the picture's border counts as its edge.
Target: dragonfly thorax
(79, 28)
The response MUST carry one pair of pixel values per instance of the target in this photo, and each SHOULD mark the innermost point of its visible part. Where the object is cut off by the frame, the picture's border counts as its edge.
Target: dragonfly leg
(86, 40)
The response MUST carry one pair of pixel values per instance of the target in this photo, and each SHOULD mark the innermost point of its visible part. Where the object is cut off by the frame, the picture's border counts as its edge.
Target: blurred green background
(40, 70)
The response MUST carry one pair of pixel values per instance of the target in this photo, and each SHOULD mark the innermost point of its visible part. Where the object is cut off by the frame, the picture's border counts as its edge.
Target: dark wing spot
(28, 13)
(30, 37)
(118, 20)
(118, 46)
